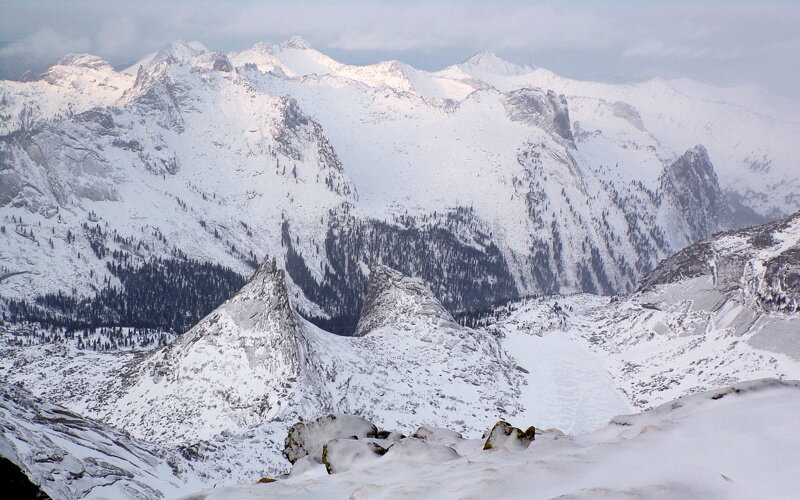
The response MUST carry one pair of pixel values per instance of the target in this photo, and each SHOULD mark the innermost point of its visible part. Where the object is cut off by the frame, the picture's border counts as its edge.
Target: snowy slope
(69, 456)
(225, 393)
(229, 389)
(734, 443)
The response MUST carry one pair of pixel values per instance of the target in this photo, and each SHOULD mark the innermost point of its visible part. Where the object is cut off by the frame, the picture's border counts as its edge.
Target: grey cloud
(721, 42)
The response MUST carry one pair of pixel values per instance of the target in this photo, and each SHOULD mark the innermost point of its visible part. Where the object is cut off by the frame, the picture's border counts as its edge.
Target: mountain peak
(492, 63)
(84, 61)
(394, 299)
(295, 42)
(256, 328)
(247, 352)
(692, 184)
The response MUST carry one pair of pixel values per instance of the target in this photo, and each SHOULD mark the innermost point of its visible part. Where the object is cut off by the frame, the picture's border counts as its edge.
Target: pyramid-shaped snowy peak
(394, 299)
(245, 354)
(257, 324)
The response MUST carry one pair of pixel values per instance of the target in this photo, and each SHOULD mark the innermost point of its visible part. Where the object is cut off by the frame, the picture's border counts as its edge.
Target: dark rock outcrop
(691, 184)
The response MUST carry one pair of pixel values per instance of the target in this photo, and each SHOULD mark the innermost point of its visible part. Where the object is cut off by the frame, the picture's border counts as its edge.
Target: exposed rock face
(222, 63)
(691, 183)
(543, 109)
(393, 299)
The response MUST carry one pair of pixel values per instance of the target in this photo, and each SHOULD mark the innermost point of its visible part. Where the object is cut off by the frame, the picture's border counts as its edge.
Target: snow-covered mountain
(487, 180)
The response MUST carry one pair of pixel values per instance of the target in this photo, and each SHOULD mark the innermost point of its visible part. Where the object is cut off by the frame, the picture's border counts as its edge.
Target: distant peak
(394, 299)
(180, 45)
(489, 61)
(180, 50)
(83, 60)
(484, 56)
(295, 42)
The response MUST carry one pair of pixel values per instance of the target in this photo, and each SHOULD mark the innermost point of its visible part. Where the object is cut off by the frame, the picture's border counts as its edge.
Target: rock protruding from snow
(342, 442)
(394, 299)
(505, 435)
(437, 434)
(340, 455)
(308, 438)
(419, 451)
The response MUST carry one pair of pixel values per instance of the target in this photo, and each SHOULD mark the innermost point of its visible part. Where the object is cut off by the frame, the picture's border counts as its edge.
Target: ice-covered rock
(413, 450)
(439, 435)
(308, 438)
(307, 466)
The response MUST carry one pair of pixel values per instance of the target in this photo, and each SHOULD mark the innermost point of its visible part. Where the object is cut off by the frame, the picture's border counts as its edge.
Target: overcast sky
(723, 42)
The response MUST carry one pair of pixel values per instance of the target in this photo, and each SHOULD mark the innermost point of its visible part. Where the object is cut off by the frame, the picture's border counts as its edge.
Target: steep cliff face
(691, 185)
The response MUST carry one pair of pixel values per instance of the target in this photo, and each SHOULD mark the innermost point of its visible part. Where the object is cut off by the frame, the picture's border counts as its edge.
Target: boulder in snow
(340, 455)
(504, 435)
(308, 438)
(419, 451)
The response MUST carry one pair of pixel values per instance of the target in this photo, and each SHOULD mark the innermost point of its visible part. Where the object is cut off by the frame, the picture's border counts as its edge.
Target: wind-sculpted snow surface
(546, 185)
(69, 456)
(738, 442)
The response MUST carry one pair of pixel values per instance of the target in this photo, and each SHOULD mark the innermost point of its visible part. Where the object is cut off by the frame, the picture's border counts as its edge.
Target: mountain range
(489, 180)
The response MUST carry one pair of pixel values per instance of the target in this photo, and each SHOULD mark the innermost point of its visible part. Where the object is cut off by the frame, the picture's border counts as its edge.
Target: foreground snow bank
(738, 442)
